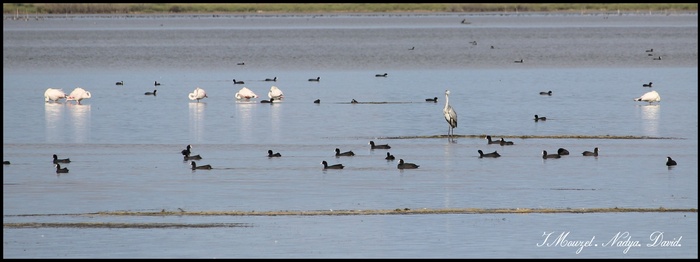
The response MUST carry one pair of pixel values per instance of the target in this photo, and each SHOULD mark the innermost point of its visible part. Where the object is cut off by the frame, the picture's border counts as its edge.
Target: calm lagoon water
(125, 146)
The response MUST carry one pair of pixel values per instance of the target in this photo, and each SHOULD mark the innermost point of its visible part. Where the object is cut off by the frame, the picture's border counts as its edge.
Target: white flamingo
(53, 94)
(650, 97)
(245, 93)
(450, 114)
(198, 94)
(78, 94)
(275, 93)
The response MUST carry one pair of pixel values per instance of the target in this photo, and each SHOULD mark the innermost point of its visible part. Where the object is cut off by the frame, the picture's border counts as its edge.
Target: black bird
(412, 48)
(503, 142)
(589, 153)
(237, 82)
(546, 93)
(155, 83)
(434, 99)
(389, 156)
(562, 152)
(315, 79)
(61, 170)
(317, 101)
(188, 157)
(670, 162)
(381, 75)
(519, 61)
(545, 155)
(346, 153)
(657, 58)
(186, 152)
(267, 101)
(5, 162)
(404, 165)
(353, 101)
(336, 166)
(373, 146)
(650, 50)
(647, 85)
(488, 138)
(492, 154)
(270, 154)
(194, 166)
(120, 83)
(56, 160)
(241, 63)
(271, 79)
(538, 118)
(151, 93)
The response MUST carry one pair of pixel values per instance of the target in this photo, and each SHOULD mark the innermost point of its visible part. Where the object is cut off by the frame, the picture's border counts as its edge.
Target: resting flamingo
(245, 93)
(198, 94)
(78, 94)
(275, 93)
(53, 94)
(650, 97)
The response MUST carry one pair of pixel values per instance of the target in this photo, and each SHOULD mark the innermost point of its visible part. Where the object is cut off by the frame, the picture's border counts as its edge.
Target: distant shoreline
(18, 9)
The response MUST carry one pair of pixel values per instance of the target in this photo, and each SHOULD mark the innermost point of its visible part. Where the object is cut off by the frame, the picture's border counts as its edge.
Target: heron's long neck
(447, 100)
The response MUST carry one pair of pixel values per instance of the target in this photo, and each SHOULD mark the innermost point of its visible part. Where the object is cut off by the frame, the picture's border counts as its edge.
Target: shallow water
(125, 146)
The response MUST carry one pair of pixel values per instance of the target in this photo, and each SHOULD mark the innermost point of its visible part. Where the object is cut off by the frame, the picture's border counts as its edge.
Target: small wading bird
(492, 154)
(346, 153)
(503, 142)
(545, 155)
(450, 115)
(56, 160)
(271, 154)
(195, 166)
(60, 170)
(389, 156)
(562, 151)
(336, 166)
(405, 165)
(670, 162)
(373, 146)
(589, 153)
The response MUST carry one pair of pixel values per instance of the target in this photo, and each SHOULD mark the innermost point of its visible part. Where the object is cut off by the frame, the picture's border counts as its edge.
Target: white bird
(275, 93)
(78, 94)
(245, 93)
(198, 94)
(450, 114)
(650, 97)
(53, 94)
